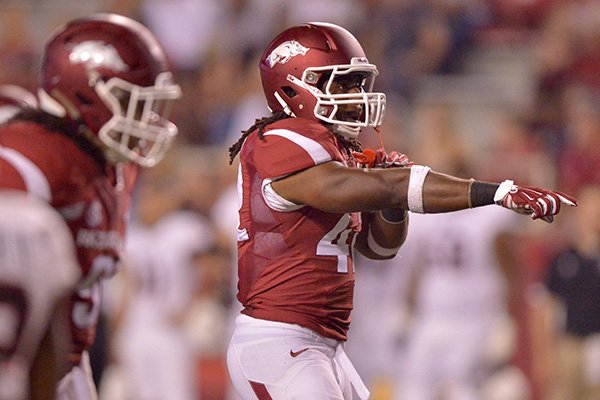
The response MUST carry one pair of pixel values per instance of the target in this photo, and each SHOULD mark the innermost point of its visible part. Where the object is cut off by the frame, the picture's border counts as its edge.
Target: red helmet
(300, 65)
(109, 72)
(13, 99)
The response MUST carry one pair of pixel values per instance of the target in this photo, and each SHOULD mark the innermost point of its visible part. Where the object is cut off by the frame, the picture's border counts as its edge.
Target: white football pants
(270, 360)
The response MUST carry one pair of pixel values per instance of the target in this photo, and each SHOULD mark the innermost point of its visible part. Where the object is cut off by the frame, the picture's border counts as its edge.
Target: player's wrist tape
(415, 188)
(393, 215)
(482, 193)
(377, 249)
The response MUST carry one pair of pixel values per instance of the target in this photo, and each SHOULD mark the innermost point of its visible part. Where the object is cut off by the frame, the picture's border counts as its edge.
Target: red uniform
(294, 266)
(91, 195)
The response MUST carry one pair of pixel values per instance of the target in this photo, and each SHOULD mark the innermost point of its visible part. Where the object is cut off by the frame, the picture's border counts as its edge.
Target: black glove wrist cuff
(482, 193)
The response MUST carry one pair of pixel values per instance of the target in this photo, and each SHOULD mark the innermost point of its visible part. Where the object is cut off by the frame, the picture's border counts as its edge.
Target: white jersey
(156, 357)
(459, 306)
(161, 259)
(453, 254)
(378, 317)
(38, 269)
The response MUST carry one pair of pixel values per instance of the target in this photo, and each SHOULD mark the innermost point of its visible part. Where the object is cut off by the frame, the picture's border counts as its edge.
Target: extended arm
(381, 194)
(333, 187)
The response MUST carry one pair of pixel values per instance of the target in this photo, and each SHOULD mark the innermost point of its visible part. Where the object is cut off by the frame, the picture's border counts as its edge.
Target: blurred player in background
(567, 313)
(105, 95)
(159, 282)
(305, 205)
(35, 243)
(38, 273)
(460, 329)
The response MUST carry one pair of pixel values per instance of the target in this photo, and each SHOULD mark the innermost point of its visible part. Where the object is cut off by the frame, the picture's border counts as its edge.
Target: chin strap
(286, 108)
(378, 132)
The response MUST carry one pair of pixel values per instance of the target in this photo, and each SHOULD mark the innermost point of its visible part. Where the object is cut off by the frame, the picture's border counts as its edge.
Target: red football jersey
(294, 266)
(92, 198)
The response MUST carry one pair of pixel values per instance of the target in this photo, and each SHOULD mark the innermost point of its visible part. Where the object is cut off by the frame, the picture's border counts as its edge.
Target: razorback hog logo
(95, 53)
(285, 51)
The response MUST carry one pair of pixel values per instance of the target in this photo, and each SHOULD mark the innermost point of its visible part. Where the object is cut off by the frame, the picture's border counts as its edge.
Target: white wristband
(415, 188)
(377, 249)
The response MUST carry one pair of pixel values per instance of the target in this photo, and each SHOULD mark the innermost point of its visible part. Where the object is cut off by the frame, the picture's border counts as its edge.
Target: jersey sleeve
(285, 151)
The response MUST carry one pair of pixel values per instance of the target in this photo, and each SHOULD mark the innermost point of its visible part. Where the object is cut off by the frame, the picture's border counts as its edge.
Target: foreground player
(304, 206)
(105, 96)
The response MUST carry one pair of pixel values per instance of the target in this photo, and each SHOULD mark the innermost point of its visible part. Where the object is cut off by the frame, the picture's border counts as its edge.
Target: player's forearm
(389, 228)
(432, 193)
(425, 192)
(443, 193)
(383, 233)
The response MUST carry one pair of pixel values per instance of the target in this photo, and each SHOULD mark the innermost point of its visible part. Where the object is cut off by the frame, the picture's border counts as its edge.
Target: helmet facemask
(330, 105)
(139, 129)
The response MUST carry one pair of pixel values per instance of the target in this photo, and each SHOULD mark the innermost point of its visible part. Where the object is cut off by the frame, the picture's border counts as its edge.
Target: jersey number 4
(338, 242)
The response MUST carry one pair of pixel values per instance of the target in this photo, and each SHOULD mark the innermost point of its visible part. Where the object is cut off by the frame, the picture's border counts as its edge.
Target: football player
(105, 95)
(457, 304)
(305, 205)
(155, 356)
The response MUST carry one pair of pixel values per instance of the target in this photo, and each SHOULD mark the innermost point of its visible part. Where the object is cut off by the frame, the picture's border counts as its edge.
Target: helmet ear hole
(289, 91)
